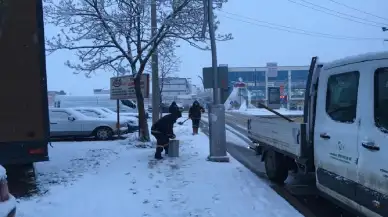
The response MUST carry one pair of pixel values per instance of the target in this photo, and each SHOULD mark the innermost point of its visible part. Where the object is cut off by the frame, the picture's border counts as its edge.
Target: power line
(335, 13)
(289, 29)
(355, 9)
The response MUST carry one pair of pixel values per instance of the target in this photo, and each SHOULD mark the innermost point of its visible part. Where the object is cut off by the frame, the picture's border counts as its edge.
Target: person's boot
(158, 153)
(193, 131)
(196, 131)
(166, 150)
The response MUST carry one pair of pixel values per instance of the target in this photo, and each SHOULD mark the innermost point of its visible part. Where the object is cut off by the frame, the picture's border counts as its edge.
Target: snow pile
(132, 183)
(3, 173)
(7, 206)
(265, 112)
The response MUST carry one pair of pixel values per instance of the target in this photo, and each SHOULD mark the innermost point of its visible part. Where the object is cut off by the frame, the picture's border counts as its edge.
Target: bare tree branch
(111, 35)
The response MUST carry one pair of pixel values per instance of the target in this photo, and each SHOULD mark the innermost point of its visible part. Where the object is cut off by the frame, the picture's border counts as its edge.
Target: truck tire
(275, 167)
(22, 170)
(103, 133)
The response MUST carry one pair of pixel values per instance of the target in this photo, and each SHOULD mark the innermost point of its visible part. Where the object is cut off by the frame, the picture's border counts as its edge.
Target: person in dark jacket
(173, 108)
(195, 112)
(163, 131)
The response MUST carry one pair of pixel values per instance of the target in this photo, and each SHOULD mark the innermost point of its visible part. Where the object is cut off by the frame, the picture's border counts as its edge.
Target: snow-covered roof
(356, 59)
(3, 173)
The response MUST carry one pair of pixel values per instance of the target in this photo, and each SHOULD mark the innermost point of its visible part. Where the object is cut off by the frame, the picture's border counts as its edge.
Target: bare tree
(109, 35)
(169, 64)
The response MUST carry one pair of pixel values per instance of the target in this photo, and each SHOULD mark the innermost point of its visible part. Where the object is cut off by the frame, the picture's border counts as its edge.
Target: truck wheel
(276, 167)
(103, 133)
(22, 170)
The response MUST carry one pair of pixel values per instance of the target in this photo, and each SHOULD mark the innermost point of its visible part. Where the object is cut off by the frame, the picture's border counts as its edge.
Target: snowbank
(3, 173)
(134, 184)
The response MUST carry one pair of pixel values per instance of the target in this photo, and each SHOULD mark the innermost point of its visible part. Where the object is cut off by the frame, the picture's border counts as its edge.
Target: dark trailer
(24, 120)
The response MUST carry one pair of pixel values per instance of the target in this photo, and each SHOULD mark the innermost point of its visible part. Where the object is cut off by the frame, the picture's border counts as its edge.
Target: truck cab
(343, 138)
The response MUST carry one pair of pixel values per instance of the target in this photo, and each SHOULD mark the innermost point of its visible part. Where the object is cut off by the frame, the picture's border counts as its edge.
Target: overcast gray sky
(255, 45)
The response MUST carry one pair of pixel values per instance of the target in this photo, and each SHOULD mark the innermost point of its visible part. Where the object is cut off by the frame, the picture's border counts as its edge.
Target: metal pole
(155, 74)
(217, 133)
(118, 113)
(216, 99)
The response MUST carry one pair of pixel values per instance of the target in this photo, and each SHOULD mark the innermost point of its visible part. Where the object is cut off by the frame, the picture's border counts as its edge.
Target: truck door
(372, 188)
(336, 131)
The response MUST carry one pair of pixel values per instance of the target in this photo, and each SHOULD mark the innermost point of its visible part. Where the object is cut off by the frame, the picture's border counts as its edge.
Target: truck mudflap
(23, 152)
(287, 137)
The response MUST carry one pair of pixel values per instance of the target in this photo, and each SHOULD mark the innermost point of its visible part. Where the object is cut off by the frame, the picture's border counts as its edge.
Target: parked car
(123, 113)
(67, 122)
(7, 201)
(101, 112)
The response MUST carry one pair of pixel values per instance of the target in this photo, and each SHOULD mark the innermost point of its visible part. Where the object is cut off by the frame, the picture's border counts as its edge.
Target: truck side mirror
(71, 118)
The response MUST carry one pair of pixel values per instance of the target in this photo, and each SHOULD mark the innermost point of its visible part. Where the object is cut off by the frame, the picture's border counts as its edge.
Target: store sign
(272, 70)
(123, 87)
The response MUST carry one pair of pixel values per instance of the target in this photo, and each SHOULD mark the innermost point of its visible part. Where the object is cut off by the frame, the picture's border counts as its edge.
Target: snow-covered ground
(117, 178)
(265, 112)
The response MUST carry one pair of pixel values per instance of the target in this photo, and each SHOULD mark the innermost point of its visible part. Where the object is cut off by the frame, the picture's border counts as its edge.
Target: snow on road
(232, 135)
(101, 179)
(265, 112)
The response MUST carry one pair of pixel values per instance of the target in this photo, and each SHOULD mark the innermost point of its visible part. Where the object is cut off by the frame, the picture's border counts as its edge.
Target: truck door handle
(53, 123)
(370, 145)
(324, 136)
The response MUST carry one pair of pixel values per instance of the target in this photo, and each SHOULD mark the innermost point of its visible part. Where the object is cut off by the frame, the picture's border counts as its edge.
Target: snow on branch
(169, 63)
(116, 34)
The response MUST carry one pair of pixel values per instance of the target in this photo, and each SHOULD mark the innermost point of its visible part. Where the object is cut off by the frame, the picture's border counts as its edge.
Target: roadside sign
(123, 87)
(272, 70)
(270, 84)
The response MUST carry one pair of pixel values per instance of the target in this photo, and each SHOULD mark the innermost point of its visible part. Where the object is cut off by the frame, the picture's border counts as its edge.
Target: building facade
(291, 79)
(172, 87)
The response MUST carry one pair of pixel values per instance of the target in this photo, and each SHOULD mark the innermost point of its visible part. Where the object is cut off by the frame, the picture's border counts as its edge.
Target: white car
(67, 122)
(101, 112)
(124, 114)
(7, 201)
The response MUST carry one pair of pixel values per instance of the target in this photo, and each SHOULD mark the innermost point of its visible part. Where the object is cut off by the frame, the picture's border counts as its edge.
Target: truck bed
(287, 137)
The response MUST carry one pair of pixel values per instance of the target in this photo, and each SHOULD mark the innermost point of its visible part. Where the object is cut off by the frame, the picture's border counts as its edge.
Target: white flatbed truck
(343, 138)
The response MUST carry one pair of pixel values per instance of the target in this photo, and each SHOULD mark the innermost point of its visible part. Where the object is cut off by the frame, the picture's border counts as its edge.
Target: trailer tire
(275, 167)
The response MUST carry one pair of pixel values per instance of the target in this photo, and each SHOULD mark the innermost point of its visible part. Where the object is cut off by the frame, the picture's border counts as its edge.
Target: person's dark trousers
(161, 143)
(166, 149)
(195, 125)
(158, 153)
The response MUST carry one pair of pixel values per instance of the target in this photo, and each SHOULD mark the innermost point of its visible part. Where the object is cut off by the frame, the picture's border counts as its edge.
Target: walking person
(163, 131)
(173, 108)
(195, 113)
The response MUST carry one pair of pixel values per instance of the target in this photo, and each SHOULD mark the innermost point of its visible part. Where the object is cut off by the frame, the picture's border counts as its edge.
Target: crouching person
(163, 131)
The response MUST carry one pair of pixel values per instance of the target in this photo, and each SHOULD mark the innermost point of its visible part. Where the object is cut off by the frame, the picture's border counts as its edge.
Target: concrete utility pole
(155, 68)
(217, 134)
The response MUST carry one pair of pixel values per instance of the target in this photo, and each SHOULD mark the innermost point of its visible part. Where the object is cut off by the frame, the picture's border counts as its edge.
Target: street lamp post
(217, 133)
